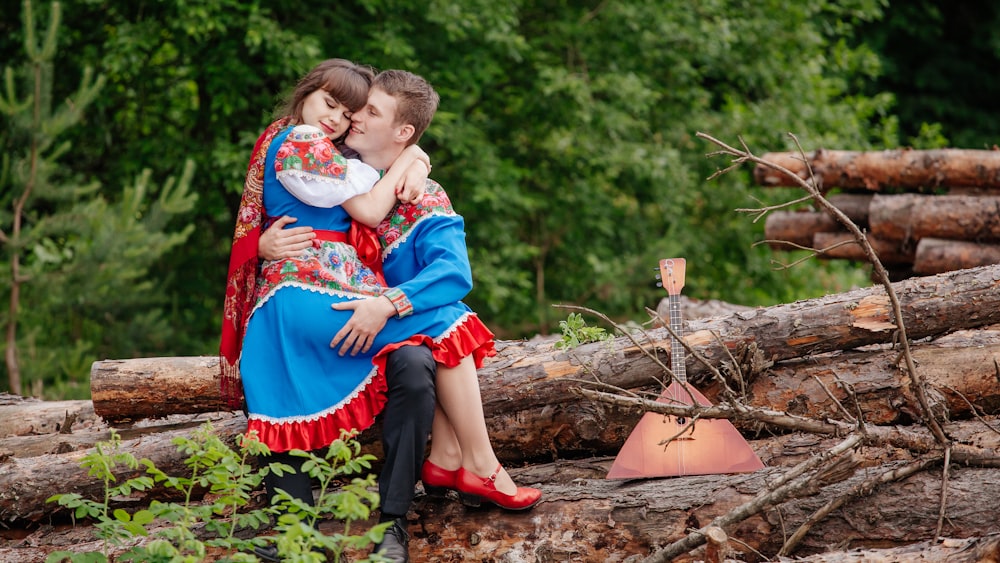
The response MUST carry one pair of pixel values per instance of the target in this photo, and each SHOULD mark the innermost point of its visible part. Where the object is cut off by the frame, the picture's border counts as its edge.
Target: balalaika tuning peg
(659, 284)
(658, 276)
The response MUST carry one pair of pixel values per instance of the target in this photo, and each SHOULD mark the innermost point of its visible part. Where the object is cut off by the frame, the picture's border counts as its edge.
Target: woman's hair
(344, 80)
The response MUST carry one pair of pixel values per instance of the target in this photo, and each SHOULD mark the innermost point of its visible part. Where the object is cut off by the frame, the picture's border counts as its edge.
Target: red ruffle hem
(469, 337)
(319, 432)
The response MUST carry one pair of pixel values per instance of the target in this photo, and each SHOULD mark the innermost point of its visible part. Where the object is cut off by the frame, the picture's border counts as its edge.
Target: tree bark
(184, 385)
(854, 205)
(877, 170)
(960, 369)
(971, 550)
(911, 217)
(934, 255)
(528, 375)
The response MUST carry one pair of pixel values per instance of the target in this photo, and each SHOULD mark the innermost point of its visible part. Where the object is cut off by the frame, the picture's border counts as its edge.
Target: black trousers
(406, 426)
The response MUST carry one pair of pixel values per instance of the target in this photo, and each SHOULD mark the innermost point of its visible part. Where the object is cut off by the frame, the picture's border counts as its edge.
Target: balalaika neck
(677, 351)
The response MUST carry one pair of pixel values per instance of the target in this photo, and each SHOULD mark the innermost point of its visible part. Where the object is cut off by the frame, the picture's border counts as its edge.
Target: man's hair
(416, 100)
(347, 82)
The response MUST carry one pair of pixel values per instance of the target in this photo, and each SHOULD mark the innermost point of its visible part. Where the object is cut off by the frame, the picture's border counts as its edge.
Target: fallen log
(182, 385)
(854, 205)
(799, 227)
(25, 483)
(959, 368)
(911, 217)
(528, 375)
(783, 229)
(843, 246)
(84, 437)
(611, 522)
(876, 170)
(21, 416)
(934, 255)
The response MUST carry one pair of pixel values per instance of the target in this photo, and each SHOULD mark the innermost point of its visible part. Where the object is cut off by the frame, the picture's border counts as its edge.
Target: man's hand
(358, 334)
(277, 242)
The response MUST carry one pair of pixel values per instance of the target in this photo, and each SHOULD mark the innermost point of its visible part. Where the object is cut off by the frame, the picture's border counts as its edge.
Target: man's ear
(404, 133)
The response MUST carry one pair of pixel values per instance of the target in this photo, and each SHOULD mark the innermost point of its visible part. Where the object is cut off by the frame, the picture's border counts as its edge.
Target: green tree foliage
(191, 79)
(940, 56)
(80, 283)
(567, 139)
(566, 133)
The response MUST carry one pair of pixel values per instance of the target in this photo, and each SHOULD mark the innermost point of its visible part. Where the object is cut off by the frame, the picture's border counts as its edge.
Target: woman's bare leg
(458, 395)
(445, 451)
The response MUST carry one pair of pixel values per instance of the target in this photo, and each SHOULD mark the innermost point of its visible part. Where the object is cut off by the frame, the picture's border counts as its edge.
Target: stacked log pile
(826, 363)
(925, 212)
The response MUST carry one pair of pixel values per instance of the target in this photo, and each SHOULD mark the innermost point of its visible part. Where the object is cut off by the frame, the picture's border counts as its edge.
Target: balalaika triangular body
(708, 447)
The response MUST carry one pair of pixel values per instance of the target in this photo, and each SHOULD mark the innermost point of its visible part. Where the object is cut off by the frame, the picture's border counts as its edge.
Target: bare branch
(833, 398)
(917, 383)
(944, 492)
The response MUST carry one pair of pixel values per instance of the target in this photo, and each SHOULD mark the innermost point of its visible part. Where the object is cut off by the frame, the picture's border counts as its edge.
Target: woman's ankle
(447, 463)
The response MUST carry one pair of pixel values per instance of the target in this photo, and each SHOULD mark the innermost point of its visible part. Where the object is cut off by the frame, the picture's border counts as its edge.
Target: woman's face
(322, 110)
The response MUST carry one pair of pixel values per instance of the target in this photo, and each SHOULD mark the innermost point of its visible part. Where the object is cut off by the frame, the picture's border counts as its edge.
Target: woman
(278, 322)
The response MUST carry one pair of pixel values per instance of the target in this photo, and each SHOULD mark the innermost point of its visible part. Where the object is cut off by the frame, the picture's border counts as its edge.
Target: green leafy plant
(224, 480)
(576, 332)
(116, 527)
(298, 536)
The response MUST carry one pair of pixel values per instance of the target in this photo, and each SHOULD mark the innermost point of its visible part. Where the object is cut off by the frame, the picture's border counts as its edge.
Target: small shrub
(576, 332)
(229, 478)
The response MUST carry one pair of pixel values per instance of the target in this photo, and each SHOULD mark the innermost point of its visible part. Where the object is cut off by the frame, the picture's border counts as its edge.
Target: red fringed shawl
(241, 282)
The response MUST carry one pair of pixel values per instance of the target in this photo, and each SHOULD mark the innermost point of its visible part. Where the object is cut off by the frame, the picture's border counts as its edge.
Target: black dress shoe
(267, 553)
(395, 543)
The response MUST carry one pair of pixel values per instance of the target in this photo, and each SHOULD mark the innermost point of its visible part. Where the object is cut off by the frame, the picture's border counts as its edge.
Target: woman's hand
(277, 242)
(413, 184)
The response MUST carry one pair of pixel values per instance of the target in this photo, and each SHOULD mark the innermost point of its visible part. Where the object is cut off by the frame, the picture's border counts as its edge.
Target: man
(380, 135)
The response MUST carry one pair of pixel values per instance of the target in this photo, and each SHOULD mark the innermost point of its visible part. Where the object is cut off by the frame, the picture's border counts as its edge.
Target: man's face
(372, 128)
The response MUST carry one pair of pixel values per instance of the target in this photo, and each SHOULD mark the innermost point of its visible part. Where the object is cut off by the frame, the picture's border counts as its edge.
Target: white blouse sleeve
(321, 191)
(312, 170)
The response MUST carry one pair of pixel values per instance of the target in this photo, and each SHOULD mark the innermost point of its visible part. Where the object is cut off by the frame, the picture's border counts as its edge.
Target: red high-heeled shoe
(472, 489)
(437, 480)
